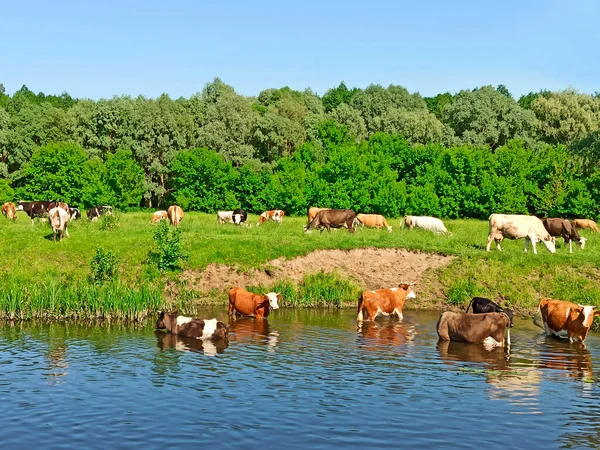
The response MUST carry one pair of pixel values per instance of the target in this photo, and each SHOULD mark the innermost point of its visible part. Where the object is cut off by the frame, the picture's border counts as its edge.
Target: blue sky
(101, 49)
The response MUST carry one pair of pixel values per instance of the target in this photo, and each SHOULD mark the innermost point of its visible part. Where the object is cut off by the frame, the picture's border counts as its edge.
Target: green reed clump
(54, 300)
(104, 266)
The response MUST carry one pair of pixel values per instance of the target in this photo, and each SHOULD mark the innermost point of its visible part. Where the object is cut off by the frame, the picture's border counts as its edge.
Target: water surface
(302, 379)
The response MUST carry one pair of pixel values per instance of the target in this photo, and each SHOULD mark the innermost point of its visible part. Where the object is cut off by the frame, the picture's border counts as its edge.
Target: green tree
(125, 179)
(334, 97)
(437, 105)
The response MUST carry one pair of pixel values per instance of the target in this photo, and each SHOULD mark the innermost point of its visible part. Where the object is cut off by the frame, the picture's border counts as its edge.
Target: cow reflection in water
(209, 347)
(251, 330)
(573, 361)
(374, 335)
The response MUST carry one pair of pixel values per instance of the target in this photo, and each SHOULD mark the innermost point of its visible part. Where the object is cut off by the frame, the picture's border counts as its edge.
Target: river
(302, 379)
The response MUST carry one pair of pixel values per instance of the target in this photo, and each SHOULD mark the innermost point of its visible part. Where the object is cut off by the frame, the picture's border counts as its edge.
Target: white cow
(515, 226)
(59, 219)
(427, 223)
(224, 217)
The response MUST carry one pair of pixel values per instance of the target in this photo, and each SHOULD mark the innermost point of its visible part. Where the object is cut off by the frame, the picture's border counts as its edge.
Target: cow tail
(359, 317)
(470, 303)
(537, 316)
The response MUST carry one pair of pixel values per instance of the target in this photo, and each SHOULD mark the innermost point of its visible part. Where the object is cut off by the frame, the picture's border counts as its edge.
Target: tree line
(381, 150)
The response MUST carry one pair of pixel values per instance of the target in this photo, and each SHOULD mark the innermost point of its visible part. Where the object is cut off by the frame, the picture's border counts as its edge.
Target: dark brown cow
(34, 209)
(249, 304)
(191, 328)
(333, 218)
(565, 229)
(384, 301)
(565, 319)
(488, 328)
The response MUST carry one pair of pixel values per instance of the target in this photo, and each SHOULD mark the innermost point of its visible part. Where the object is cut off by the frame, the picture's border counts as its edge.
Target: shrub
(168, 251)
(104, 266)
(109, 222)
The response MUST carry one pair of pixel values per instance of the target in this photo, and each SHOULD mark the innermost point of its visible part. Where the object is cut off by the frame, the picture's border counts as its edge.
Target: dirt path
(371, 268)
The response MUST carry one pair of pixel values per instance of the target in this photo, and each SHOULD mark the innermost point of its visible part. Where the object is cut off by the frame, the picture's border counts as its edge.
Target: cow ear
(279, 296)
(575, 313)
(403, 286)
(596, 313)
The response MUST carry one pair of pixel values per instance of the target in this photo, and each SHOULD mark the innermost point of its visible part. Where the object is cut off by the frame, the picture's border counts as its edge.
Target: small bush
(109, 222)
(461, 292)
(168, 252)
(104, 265)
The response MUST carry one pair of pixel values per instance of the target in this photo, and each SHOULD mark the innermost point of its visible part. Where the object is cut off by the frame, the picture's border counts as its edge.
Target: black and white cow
(97, 211)
(35, 209)
(483, 305)
(74, 213)
(239, 216)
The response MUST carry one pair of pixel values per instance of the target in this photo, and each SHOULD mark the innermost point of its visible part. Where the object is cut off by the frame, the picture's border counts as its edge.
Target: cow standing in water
(249, 304)
(175, 214)
(59, 219)
(384, 301)
(489, 329)
(565, 319)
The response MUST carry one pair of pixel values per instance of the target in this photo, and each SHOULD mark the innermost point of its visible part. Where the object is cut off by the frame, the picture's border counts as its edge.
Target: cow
(386, 302)
(586, 223)
(565, 319)
(488, 328)
(239, 216)
(565, 229)
(175, 214)
(74, 213)
(481, 305)
(425, 222)
(373, 221)
(333, 218)
(59, 220)
(97, 211)
(312, 212)
(276, 215)
(515, 226)
(34, 209)
(159, 215)
(249, 304)
(9, 211)
(224, 217)
(63, 205)
(191, 328)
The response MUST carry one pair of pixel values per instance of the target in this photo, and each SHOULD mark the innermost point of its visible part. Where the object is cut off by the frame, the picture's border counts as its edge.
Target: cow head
(273, 298)
(581, 318)
(549, 242)
(166, 321)
(407, 222)
(409, 290)
(509, 314)
(582, 242)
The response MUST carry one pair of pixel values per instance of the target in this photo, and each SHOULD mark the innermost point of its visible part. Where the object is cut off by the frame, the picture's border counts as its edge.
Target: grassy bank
(31, 260)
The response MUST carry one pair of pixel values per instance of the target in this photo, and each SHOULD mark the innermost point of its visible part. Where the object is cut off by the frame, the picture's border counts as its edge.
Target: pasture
(30, 257)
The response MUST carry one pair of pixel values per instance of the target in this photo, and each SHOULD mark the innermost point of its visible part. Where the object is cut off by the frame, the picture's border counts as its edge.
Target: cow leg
(489, 242)
(526, 243)
(570, 246)
(534, 245)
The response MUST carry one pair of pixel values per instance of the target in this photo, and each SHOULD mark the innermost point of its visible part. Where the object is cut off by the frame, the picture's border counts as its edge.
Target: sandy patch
(370, 268)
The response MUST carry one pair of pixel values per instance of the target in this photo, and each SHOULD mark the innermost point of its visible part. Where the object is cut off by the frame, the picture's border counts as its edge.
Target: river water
(303, 379)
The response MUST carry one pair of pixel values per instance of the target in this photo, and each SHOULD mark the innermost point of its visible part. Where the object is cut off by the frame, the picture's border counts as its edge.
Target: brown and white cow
(586, 223)
(9, 210)
(34, 209)
(488, 328)
(159, 215)
(312, 212)
(515, 226)
(276, 215)
(565, 229)
(373, 221)
(59, 219)
(384, 301)
(249, 304)
(175, 214)
(565, 319)
(333, 218)
(192, 328)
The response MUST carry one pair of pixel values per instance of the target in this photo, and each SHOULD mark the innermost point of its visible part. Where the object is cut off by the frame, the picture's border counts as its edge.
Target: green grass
(30, 258)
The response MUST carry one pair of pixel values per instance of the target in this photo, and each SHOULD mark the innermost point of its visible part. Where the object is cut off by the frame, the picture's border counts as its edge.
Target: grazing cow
(565, 319)
(9, 211)
(75, 213)
(34, 209)
(59, 219)
(159, 215)
(249, 304)
(224, 217)
(97, 211)
(488, 328)
(565, 229)
(333, 218)
(482, 305)
(191, 328)
(384, 301)
(175, 214)
(312, 212)
(276, 215)
(586, 223)
(239, 216)
(515, 226)
(425, 222)
(373, 221)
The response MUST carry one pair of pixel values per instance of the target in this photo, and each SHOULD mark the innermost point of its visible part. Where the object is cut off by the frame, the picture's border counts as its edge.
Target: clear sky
(100, 49)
